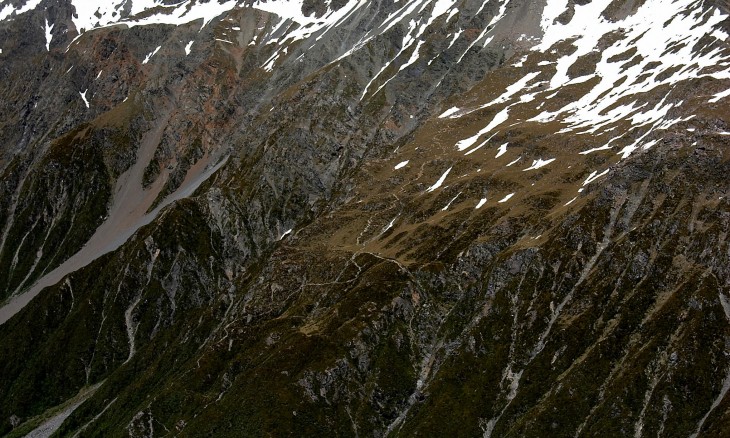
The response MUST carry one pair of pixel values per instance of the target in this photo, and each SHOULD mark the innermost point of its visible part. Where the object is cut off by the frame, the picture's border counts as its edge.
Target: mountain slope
(493, 218)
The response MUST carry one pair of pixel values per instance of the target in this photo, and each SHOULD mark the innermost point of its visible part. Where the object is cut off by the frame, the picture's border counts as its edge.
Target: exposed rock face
(452, 217)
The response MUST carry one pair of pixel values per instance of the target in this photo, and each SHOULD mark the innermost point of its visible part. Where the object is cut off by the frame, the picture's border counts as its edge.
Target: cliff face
(451, 217)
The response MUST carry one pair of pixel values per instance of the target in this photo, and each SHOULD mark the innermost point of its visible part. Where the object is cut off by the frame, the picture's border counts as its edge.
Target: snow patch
(449, 112)
(601, 148)
(401, 165)
(506, 198)
(594, 176)
(536, 164)
(440, 181)
(451, 202)
(521, 62)
(49, 35)
(93, 14)
(719, 96)
(502, 150)
(150, 55)
(83, 96)
(9, 9)
(660, 32)
(498, 119)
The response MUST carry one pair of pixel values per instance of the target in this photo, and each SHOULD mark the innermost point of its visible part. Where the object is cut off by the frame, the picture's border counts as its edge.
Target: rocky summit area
(497, 218)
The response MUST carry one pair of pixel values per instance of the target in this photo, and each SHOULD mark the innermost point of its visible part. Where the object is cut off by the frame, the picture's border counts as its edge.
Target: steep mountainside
(365, 218)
